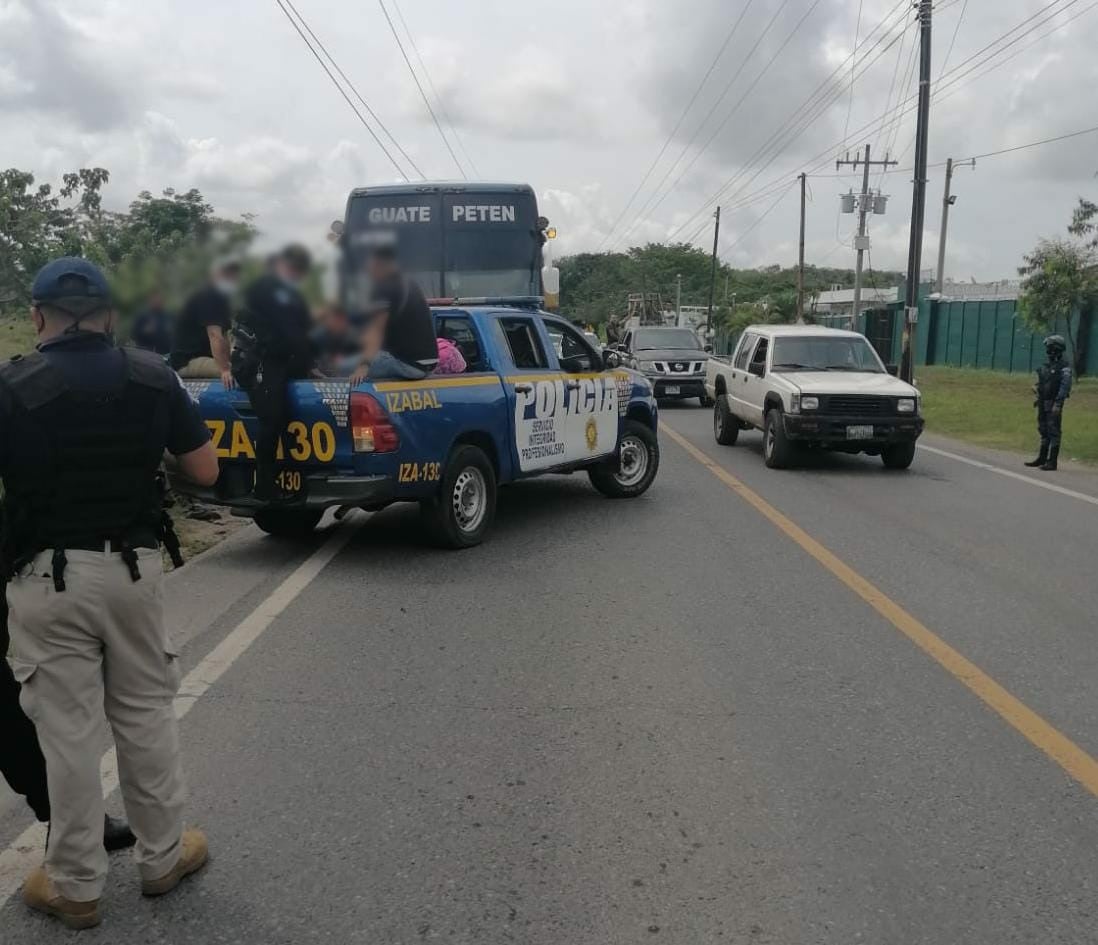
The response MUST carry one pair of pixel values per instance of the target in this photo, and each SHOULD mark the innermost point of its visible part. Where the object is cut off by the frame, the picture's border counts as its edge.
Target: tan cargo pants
(100, 645)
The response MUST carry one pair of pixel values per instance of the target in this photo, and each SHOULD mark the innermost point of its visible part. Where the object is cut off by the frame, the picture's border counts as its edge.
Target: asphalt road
(649, 721)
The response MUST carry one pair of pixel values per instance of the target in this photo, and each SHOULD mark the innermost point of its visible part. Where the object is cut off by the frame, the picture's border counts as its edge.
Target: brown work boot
(39, 893)
(196, 851)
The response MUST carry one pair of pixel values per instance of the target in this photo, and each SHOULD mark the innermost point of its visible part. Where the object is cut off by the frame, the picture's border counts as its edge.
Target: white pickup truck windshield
(810, 353)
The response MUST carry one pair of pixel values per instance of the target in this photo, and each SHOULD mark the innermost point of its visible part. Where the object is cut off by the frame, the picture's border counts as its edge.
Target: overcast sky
(575, 97)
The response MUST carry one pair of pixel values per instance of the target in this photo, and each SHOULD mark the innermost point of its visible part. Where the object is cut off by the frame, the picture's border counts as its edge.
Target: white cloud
(576, 102)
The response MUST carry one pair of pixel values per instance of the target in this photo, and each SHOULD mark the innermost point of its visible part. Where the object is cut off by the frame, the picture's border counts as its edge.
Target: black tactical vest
(82, 466)
(1049, 378)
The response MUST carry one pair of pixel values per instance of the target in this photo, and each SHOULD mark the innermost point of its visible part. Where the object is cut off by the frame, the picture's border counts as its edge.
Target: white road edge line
(25, 852)
(1040, 483)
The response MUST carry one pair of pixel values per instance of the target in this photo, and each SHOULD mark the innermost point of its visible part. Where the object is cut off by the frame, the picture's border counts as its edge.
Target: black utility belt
(113, 545)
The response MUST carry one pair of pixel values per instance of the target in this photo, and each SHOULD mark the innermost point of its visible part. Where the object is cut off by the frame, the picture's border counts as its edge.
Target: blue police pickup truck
(535, 398)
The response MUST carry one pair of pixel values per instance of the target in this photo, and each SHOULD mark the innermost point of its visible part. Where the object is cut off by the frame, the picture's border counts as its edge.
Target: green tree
(38, 224)
(1059, 284)
(166, 242)
(595, 285)
(1084, 222)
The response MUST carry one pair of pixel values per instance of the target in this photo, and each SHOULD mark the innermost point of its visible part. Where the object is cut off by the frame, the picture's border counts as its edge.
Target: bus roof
(444, 186)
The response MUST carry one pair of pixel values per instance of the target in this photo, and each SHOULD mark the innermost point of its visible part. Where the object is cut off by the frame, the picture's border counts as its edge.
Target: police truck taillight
(371, 429)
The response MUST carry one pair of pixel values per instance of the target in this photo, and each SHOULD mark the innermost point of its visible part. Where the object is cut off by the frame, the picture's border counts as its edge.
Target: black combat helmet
(1055, 344)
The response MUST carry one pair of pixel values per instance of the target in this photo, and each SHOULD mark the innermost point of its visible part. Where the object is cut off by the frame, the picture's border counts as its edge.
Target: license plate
(671, 389)
(290, 482)
(859, 433)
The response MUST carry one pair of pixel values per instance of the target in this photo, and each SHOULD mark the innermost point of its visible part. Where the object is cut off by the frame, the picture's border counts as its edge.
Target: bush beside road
(995, 409)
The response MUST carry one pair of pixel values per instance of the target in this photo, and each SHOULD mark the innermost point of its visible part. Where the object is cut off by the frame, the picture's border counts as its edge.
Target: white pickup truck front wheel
(778, 451)
(898, 455)
(639, 460)
(726, 428)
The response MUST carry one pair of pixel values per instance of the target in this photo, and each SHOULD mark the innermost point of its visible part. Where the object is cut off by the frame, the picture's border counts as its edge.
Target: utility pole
(678, 299)
(918, 195)
(800, 259)
(866, 201)
(713, 275)
(948, 200)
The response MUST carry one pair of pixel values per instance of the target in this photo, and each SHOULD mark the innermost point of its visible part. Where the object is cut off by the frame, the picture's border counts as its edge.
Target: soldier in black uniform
(1053, 387)
(83, 430)
(274, 346)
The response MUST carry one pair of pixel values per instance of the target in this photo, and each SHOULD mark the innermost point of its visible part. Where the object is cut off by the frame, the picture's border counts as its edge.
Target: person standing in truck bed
(399, 337)
(276, 318)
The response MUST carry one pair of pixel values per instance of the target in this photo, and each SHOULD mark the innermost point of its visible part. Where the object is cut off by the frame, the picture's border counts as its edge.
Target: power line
(953, 41)
(651, 203)
(904, 107)
(423, 95)
(764, 215)
(808, 112)
(351, 86)
(891, 85)
(815, 108)
(1032, 144)
(682, 118)
(1051, 16)
(431, 86)
(346, 97)
(891, 136)
(716, 131)
(850, 101)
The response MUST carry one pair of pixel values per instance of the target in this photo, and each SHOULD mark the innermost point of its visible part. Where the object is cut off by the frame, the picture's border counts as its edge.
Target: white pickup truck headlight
(646, 365)
(905, 405)
(810, 403)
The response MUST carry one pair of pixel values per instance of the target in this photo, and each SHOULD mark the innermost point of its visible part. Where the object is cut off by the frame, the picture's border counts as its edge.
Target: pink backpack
(450, 360)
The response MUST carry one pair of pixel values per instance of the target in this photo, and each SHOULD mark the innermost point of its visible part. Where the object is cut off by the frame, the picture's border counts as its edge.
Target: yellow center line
(1061, 749)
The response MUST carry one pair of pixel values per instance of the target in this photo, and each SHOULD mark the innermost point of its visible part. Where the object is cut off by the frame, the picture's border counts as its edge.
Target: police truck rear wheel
(726, 428)
(462, 512)
(287, 523)
(639, 460)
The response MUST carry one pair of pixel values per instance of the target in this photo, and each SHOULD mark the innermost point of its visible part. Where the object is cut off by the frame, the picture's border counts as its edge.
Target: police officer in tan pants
(83, 429)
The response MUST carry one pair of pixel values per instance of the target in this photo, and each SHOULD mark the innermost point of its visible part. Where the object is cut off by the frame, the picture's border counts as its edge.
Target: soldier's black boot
(117, 834)
(1053, 455)
(1042, 456)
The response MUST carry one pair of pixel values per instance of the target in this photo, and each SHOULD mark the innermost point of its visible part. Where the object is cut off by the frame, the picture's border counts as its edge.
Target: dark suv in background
(673, 360)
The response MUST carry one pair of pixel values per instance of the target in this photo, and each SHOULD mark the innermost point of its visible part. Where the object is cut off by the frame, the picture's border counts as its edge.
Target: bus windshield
(457, 244)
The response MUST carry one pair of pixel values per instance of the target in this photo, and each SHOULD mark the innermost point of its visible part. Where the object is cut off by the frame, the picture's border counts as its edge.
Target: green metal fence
(984, 333)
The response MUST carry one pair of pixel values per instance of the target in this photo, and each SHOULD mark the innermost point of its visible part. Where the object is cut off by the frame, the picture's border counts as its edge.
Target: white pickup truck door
(754, 387)
(745, 390)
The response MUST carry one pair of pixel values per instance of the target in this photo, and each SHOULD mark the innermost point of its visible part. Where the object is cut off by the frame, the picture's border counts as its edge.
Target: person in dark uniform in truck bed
(275, 346)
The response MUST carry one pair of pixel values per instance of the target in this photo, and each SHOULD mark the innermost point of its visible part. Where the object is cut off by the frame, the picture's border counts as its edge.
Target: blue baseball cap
(73, 285)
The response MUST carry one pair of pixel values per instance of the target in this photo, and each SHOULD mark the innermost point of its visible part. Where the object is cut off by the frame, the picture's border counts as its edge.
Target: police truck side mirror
(611, 358)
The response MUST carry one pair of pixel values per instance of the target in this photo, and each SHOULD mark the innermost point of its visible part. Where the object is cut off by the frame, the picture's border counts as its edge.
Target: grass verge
(996, 410)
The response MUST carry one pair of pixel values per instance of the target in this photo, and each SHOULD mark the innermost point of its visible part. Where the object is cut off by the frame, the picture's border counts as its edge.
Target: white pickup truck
(811, 387)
